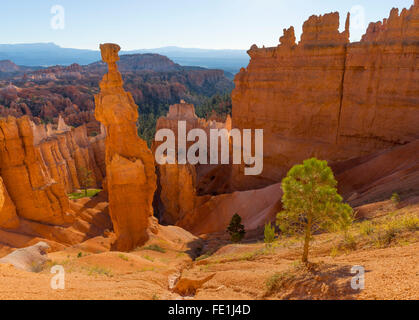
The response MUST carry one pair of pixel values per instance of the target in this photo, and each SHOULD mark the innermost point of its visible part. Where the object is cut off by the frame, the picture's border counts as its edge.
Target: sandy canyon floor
(386, 246)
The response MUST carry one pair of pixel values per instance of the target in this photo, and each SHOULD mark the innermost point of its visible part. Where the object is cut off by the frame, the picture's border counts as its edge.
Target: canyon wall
(8, 215)
(35, 194)
(198, 197)
(328, 98)
(39, 165)
(130, 170)
(68, 153)
(180, 184)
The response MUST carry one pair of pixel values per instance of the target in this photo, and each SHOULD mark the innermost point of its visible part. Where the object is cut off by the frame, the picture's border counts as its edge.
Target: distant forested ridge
(154, 81)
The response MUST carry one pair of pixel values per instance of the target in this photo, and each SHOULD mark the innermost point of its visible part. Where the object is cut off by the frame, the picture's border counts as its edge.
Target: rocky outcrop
(396, 27)
(38, 165)
(90, 220)
(329, 98)
(30, 259)
(8, 66)
(192, 196)
(377, 176)
(180, 184)
(178, 191)
(8, 216)
(67, 152)
(35, 194)
(213, 213)
(381, 84)
(130, 171)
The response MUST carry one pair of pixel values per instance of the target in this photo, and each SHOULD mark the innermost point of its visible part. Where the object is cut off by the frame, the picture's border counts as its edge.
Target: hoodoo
(130, 172)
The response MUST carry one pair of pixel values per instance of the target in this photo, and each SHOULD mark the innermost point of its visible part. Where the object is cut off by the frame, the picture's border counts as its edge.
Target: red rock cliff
(181, 183)
(329, 98)
(35, 194)
(67, 151)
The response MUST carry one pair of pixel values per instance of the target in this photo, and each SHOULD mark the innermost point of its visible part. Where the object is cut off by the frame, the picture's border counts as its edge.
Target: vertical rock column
(130, 171)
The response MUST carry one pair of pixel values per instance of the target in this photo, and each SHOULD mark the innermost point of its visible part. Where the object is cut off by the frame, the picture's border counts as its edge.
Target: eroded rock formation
(8, 216)
(377, 176)
(130, 171)
(36, 196)
(38, 166)
(180, 184)
(213, 213)
(329, 98)
(30, 259)
(192, 195)
(68, 151)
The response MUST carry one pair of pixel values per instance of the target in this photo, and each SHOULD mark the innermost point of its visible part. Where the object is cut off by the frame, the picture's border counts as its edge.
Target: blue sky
(138, 24)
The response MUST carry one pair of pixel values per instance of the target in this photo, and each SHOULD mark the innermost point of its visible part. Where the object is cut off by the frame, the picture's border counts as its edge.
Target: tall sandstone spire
(130, 172)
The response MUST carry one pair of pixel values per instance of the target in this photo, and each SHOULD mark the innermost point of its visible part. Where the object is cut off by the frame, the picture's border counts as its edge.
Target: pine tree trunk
(307, 240)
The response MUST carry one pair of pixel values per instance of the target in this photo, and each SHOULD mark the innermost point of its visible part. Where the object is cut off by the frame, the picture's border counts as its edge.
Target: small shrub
(86, 179)
(91, 193)
(123, 257)
(148, 258)
(410, 223)
(37, 267)
(269, 233)
(236, 229)
(99, 270)
(387, 231)
(250, 256)
(155, 247)
(277, 281)
(334, 252)
(204, 256)
(349, 241)
(272, 282)
(79, 255)
(395, 198)
(388, 234)
(366, 228)
(181, 254)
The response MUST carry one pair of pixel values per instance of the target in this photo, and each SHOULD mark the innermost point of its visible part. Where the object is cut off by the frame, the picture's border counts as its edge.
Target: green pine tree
(269, 233)
(236, 229)
(311, 202)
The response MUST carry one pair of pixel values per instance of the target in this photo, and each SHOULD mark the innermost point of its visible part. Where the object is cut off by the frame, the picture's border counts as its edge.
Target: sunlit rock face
(36, 196)
(68, 151)
(8, 216)
(130, 171)
(39, 165)
(329, 98)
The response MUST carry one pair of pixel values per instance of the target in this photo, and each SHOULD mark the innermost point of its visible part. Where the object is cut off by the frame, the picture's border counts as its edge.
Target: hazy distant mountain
(8, 69)
(49, 54)
(227, 60)
(46, 54)
(139, 62)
